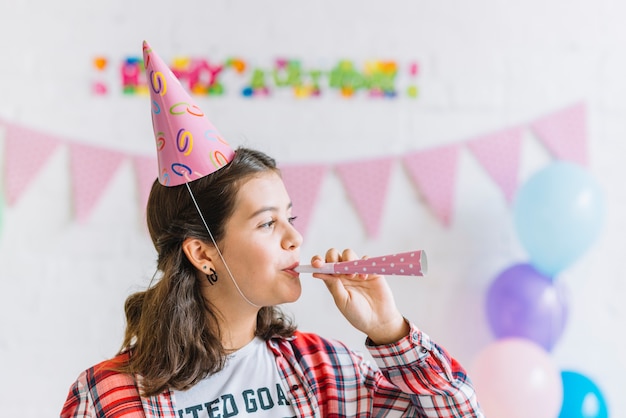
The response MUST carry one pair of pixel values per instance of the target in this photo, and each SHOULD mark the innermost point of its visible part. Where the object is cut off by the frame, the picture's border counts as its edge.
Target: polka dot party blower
(412, 263)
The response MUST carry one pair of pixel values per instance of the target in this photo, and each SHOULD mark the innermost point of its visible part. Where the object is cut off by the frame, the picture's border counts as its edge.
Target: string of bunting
(433, 171)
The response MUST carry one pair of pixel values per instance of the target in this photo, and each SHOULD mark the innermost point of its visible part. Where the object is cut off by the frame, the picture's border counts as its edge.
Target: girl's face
(260, 244)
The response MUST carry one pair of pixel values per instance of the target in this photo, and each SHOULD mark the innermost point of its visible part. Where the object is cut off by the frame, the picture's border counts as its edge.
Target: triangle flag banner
(434, 173)
(146, 170)
(303, 183)
(27, 151)
(366, 183)
(499, 154)
(564, 133)
(92, 168)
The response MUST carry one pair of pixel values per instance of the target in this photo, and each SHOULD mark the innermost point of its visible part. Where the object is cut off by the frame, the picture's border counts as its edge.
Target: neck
(237, 332)
(236, 317)
(237, 324)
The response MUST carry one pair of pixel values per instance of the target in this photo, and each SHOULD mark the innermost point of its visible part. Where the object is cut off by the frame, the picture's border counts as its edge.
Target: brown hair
(171, 330)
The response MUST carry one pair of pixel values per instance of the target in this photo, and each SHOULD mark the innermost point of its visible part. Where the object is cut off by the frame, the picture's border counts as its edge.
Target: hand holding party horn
(412, 263)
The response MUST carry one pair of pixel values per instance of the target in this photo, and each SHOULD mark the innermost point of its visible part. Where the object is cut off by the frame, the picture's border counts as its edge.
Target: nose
(292, 239)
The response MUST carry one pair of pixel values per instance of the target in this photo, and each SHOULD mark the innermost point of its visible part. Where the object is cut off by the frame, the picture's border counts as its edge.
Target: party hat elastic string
(189, 146)
(218, 248)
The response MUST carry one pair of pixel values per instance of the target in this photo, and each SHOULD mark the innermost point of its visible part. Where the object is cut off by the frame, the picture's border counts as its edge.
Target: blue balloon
(581, 397)
(558, 213)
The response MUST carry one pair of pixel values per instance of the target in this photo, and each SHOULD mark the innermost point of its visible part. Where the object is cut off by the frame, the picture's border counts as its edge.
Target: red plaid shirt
(414, 378)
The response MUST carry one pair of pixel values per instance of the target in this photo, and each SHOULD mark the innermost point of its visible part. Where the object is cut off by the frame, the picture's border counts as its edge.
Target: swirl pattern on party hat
(188, 145)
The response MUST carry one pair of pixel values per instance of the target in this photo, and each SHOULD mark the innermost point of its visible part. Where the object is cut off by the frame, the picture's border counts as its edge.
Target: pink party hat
(188, 145)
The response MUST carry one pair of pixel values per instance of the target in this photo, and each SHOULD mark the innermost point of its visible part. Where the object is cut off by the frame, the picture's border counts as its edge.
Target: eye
(292, 219)
(268, 224)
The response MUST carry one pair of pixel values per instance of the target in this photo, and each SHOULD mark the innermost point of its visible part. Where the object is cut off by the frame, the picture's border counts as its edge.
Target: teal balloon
(581, 397)
(559, 212)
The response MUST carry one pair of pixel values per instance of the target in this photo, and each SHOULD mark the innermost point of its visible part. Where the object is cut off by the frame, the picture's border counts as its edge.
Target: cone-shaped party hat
(188, 145)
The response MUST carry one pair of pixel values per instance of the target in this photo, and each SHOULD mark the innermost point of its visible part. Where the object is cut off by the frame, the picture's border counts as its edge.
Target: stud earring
(212, 278)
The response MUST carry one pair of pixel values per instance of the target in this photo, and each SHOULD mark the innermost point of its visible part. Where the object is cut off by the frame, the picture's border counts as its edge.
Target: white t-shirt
(249, 386)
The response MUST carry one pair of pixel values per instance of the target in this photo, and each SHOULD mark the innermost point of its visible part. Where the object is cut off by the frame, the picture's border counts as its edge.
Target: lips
(291, 269)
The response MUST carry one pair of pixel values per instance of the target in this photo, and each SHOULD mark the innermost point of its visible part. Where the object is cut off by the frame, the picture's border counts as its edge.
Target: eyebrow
(268, 209)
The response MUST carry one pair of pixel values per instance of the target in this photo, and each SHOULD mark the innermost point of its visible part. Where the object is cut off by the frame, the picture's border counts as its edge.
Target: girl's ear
(199, 254)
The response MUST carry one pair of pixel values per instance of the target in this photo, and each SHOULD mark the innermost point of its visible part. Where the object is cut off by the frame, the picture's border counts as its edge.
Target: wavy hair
(172, 332)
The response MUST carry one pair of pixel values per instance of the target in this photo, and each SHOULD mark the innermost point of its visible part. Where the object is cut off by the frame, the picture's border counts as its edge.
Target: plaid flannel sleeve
(102, 392)
(437, 384)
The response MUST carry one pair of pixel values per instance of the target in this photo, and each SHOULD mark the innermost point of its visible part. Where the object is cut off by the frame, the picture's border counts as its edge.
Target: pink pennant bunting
(434, 173)
(499, 154)
(146, 170)
(366, 183)
(564, 133)
(92, 168)
(27, 151)
(303, 183)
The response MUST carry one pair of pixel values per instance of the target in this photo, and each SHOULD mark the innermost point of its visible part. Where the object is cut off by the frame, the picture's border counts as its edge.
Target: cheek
(249, 258)
(251, 264)
(256, 252)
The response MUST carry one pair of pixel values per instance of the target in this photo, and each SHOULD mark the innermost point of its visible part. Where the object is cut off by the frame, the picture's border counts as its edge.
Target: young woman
(207, 339)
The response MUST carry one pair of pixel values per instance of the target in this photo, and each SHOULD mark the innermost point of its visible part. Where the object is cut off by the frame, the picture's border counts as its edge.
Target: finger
(348, 255)
(318, 260)
(336, 288)
(363, 275)
(332, 256)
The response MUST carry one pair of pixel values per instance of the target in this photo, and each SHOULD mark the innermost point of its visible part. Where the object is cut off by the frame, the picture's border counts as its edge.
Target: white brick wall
(485, 65)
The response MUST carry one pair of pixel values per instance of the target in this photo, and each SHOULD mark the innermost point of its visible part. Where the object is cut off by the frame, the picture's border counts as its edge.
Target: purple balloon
(521, 302)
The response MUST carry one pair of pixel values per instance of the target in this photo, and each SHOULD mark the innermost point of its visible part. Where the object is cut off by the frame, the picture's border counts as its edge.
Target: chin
(293, 296)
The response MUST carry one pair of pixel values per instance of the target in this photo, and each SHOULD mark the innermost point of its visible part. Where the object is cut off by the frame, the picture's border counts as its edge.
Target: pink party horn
(411, 263)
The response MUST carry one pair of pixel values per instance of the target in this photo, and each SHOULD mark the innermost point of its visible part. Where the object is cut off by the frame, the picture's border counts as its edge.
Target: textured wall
(484, 66)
